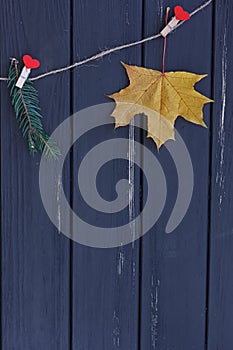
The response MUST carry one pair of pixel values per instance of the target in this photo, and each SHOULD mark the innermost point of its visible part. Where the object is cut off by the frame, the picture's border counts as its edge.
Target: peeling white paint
(127, 15)
(220, 177)
(120, 265)
(155, 284)
(134, 270)
(134, 278)
(59, 189)
(131, 156)
(161, 10)
(116, 330)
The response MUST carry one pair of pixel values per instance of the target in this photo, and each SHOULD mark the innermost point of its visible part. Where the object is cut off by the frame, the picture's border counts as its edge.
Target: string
(109, 51)
(165, 43)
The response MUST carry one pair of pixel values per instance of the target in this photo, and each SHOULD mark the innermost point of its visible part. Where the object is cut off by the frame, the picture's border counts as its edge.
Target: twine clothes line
(109, 51)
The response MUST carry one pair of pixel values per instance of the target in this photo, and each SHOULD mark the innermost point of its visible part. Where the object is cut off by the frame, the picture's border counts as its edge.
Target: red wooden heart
(181, 14)
(30, 62)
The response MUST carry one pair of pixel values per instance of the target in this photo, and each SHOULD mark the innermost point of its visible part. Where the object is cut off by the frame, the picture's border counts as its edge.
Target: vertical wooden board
(221, 243)
(105, 281)
(173, 286)
(35, 258)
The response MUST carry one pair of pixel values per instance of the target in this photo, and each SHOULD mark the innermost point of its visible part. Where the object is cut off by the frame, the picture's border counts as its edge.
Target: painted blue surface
(164, 292)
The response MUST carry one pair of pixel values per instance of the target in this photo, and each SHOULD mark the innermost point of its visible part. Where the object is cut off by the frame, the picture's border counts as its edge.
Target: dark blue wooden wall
(163, 292)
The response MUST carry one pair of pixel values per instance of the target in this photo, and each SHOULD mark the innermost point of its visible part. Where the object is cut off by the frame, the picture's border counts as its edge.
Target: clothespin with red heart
(180, 15)
(29, 63)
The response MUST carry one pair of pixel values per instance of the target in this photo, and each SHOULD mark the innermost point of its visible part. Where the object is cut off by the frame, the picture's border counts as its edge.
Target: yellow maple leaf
(162, 98)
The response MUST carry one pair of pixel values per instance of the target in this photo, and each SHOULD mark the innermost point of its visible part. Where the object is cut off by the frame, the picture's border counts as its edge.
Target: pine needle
(26, 105)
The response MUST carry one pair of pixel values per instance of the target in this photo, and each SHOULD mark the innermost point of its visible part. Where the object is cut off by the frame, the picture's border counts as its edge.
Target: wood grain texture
(105, 281)
(35, 258)
(154, 293)
(174, 266)
(220, 315)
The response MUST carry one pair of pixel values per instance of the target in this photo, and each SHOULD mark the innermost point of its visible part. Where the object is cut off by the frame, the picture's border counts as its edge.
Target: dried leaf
(162, 98)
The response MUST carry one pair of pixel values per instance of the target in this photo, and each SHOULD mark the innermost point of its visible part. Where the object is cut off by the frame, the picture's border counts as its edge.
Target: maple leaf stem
(165, 43)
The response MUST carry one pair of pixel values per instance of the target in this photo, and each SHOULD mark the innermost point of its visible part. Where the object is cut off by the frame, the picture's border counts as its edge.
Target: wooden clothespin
(180, 15)
(29, 63)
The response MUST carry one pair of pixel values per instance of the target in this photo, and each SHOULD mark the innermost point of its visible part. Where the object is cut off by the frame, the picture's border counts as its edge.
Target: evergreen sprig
(26, 105)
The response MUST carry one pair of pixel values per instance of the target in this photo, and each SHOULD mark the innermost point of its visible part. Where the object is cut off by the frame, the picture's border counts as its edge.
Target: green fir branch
(26, 105)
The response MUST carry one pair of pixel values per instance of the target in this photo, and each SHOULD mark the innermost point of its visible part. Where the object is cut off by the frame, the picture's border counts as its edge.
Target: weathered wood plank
(35, 259)
(174, 266)
(105, 281)
(220, 315)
